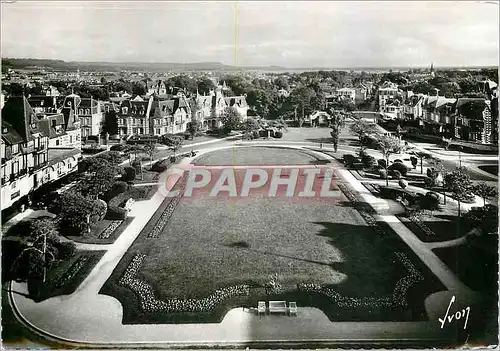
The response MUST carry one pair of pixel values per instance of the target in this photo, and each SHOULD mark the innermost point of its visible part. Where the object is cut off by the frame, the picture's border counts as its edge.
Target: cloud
(291, 33)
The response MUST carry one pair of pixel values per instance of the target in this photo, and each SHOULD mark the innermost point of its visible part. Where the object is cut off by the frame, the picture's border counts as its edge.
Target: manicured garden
(197, 258)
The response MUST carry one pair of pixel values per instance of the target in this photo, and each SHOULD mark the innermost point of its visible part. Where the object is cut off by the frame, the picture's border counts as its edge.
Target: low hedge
(394, 193)
(116, 213)
(278, 135)
(400, 167)
(129, 174)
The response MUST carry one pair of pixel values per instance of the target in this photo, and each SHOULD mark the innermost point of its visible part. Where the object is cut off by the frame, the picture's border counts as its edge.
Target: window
(14, 185)
(70, 138)
(124, 110)
(5, 130)
(57, 142)
(158, 131)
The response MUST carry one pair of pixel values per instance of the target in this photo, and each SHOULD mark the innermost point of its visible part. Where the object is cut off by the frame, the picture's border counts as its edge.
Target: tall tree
(204, 85)
(459, 184)
(485, 191)
(388, 145)
(231, 119)
(110, 124)
(361, 128)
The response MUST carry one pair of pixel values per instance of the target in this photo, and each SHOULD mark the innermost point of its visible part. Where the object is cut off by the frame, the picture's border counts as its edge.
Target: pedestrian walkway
(28, 214)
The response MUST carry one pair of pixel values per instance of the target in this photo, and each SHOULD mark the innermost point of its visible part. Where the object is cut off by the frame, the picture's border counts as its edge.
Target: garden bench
(261, 307)
(292, 308)
(277, 306)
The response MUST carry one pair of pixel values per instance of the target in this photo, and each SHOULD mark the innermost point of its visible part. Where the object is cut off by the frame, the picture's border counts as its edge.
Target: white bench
(292, 307)
(277, 306)
(261, 307)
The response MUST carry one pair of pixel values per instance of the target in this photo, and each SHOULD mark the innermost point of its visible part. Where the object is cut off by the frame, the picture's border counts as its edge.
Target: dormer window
(5, 130)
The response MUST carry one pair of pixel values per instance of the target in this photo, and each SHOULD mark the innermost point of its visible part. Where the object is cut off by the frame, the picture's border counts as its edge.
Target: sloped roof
(42, 101)
(19, 114)
(88, 102)
(11, 137)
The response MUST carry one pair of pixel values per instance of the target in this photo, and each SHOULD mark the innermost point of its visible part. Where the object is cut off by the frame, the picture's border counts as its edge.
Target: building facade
(27, 159)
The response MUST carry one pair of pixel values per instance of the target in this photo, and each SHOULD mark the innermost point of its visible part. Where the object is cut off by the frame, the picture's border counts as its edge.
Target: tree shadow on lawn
(368, 262)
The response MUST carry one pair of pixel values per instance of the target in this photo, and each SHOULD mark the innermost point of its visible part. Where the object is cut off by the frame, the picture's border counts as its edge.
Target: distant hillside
(60, 65)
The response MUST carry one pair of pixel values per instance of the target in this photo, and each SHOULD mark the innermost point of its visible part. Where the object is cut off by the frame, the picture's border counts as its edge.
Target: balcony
(20, 174)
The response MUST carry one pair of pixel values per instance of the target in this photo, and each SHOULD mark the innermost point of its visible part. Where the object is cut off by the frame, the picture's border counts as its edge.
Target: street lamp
(88, 223)
(460, 148)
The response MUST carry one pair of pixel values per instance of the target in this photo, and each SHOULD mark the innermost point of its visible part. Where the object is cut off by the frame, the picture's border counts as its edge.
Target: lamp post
(88, 223)
(460, 148)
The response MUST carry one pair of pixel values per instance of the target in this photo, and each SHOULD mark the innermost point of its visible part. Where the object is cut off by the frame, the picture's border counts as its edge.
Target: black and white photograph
(249, 174)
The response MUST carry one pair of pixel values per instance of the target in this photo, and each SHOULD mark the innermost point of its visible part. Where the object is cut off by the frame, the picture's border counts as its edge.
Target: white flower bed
(150, 303)
(415, 218)
(110, 229)
(165, 216)
(72, 271)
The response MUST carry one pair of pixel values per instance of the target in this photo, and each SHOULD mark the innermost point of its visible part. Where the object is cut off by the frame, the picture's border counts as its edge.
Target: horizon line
(252, 66)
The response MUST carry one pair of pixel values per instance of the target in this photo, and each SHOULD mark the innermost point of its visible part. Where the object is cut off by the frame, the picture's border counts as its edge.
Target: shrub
(51, 200)
(429, 202)
(382, 163)
(278, 134)
(66, 250)
(400, 167)
(368, 160)
(101, 209)
(137, 166)
(403, 183)
(395, 174)
(119, 147)
(129, 174)
(120, 187)
(256, 134)
(160, 166)
(485, 218)
(432, 194)
(382, 173)
(262, 133)
(398, 161)
(170, 140)
(173, 159)
(414, 161)
(116, 213)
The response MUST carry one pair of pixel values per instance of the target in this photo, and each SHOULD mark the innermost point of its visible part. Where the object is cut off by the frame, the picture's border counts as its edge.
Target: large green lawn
(214, 243)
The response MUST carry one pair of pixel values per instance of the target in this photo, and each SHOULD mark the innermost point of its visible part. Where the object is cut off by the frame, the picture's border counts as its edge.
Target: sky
(286, 33)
